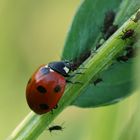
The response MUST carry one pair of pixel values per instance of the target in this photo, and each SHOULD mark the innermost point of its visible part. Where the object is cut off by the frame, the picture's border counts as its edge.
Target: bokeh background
(33, 32)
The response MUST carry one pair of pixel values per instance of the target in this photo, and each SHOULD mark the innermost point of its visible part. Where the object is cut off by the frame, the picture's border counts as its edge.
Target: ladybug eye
(45, 70)
(44, 106)
(41, 89)
(57, 89)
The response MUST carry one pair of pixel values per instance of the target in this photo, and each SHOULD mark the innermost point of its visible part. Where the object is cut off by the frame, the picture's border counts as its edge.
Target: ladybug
(47, 85)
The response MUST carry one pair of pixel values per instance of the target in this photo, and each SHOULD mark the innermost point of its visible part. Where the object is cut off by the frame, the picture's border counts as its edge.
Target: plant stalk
(33, 125)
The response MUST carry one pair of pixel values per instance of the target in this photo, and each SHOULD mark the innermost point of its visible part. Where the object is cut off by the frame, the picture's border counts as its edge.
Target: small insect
(110, 31)
(97, 81)
(129, 48)
(127, 34)
(108, 20)
(123, 58)
(47, 85)
(130, 53)
(78, 61)
(55, 128)
(137, 17)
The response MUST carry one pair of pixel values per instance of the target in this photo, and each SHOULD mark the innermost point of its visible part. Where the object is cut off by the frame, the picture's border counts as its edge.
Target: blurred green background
(33, 32)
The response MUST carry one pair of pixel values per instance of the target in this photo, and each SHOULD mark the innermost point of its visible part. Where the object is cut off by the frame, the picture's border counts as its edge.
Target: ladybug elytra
(46, 86)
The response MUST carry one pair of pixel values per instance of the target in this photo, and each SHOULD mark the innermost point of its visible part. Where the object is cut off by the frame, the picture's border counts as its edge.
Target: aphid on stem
(108, 20)
(130, 53)
(78, 61)
(107, 28)
(110, 31)
(127, 34)
(122, 58)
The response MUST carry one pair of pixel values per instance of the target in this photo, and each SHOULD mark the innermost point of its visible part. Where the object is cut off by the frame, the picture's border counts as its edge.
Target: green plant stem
(33, 125)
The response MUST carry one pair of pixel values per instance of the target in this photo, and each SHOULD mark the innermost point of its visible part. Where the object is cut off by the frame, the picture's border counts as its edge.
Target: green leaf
(84, 32)
(127, 8)
(34, 124)
(86, 26)
(111, 90)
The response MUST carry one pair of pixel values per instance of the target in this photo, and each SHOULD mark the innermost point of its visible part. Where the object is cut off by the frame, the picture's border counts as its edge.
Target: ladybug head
(62, 67)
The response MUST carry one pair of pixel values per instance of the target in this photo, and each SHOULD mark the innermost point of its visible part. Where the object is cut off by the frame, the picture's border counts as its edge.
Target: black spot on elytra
(44, 106)
(41, 89)
(45, 70)
(57, 88)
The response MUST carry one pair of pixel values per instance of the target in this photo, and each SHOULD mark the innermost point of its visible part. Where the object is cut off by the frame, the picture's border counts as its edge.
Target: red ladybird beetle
(47, 85)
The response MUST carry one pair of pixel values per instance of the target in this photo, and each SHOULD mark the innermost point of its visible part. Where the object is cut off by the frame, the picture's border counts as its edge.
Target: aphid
(129, 48)
(123, 58)
(78, 61)
(127, 34)
(110, 31)
(137, 17)
(130, 53)
(97, 81)
(55, 128)
(108, 20)
(108, 28)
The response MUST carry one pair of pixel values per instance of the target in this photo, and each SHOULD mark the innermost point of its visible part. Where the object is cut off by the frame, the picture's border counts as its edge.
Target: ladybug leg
(73, 82)
(69, 81)
(56, 106)
(79, 73)
(82, 68)
(72, 75)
